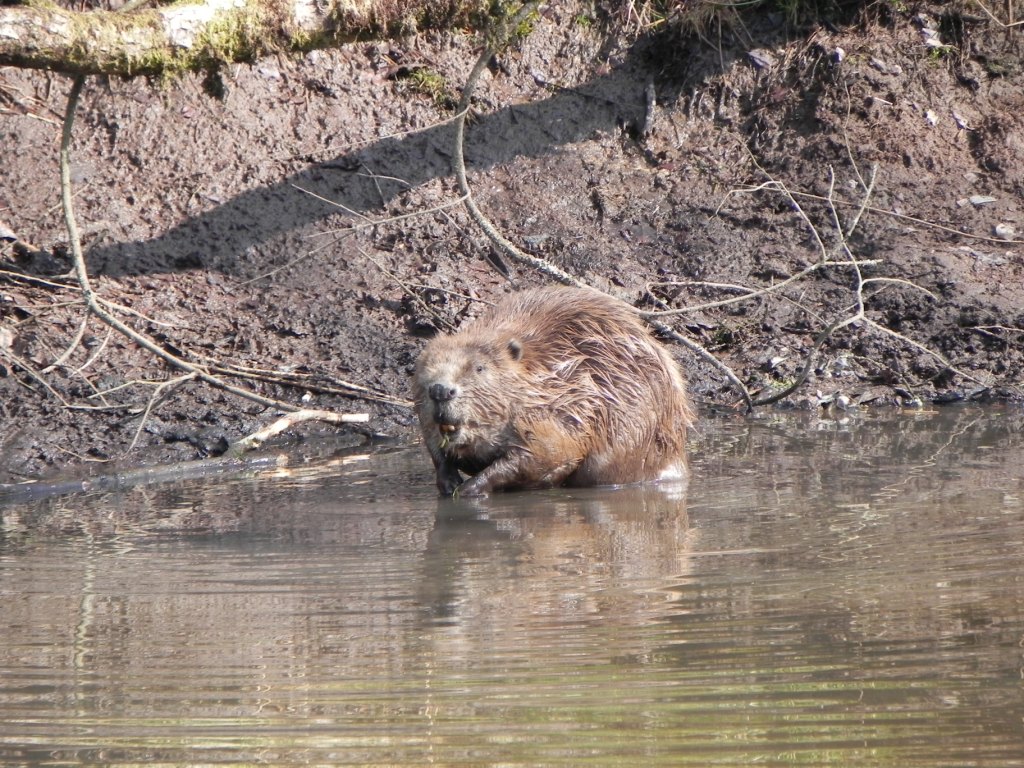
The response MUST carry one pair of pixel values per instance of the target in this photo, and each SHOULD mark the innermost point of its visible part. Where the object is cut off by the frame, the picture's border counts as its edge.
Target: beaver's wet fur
(552, 386)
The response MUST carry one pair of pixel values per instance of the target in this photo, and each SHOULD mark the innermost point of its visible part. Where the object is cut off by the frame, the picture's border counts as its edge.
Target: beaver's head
(465, 388)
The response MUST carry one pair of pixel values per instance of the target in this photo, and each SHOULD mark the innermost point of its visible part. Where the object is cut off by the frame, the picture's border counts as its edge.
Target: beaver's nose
(442, 393)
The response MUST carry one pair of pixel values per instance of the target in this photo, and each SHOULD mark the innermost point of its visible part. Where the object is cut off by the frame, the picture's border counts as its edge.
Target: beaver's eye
(480, 368)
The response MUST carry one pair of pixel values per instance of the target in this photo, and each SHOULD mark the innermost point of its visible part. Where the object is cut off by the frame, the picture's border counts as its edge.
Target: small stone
(1005, 231)
(835, 401)
(761, 58)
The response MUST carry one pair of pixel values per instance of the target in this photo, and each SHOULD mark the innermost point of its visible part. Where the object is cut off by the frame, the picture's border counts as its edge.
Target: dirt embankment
(259, 234)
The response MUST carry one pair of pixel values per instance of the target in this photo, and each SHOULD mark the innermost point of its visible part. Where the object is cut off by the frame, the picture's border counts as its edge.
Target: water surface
(823, 593)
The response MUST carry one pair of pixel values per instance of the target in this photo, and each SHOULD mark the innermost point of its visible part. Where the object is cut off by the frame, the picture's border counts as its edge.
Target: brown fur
(553, 386)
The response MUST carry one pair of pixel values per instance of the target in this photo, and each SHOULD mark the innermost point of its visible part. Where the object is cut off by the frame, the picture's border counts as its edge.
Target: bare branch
(162, 389)
(256, 439)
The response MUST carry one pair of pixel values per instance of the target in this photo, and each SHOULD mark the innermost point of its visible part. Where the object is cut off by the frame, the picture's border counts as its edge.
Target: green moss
(224, 40)
(430, 83)
(724, 337)
(104, 30)
(498, 21)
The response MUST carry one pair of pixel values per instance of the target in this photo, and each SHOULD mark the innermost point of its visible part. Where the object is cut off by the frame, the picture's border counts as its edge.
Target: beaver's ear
(515, 349)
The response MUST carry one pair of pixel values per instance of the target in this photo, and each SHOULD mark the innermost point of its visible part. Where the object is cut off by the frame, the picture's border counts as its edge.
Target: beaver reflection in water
(553, 386)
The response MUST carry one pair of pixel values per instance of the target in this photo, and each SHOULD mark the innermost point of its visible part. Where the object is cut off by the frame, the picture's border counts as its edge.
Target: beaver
(552, 386)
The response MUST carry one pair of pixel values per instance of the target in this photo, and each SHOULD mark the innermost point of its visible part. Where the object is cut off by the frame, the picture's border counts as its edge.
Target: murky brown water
(823, 593)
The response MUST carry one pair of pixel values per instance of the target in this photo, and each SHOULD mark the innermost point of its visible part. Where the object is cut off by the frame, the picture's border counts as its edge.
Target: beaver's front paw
(474, 488)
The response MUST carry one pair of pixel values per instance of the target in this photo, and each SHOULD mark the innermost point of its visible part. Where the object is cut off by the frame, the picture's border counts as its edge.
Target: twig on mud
(753, 293)
(449, 292)
(701, 352)
(847, 144)
(772, 187)
(408, 291)
(506, 247)
(34, 375)
(859, 316)
(80, 190)
(805, 370)
(256, 439)
(128, 385)
(346, 231)
(370, 223)
(79, 335)
(33, 280)
(748, 293)
(986, 330)
(861, 282)
(129, 311)
(1005, 25)
(822, 337)
(500, 242)
(869, 190)
(96, 354)
(308, 381)
(26, 104)
(161, 391)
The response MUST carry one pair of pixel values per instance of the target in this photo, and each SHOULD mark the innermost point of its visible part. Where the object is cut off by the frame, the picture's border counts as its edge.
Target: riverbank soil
(300, 233)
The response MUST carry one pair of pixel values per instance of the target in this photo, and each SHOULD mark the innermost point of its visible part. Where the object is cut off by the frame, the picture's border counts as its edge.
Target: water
(824, 593)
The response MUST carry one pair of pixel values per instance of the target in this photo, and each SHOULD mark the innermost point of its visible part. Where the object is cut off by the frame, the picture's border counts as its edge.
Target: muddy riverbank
(302, 234)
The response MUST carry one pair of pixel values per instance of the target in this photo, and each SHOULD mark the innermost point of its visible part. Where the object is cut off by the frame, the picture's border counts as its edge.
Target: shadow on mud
(368, 178)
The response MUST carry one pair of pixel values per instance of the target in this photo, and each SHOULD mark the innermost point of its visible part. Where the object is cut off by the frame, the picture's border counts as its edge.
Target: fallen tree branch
(21, 493)
(256, 439)
(189, 36)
